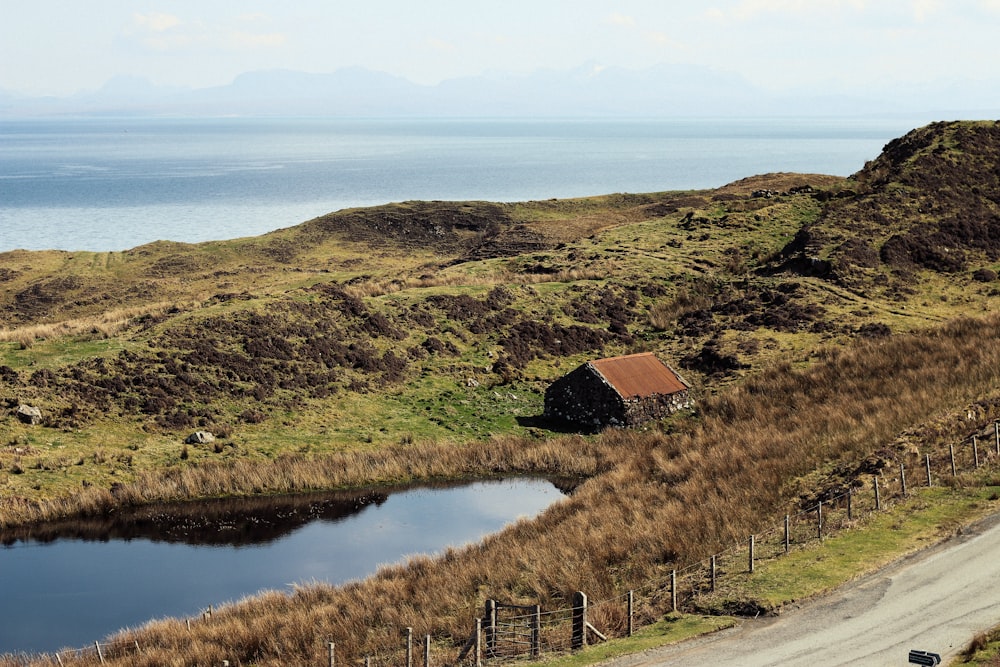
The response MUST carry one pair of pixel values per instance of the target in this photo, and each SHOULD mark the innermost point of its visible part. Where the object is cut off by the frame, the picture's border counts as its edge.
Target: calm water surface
(112, 184)
(70, 585)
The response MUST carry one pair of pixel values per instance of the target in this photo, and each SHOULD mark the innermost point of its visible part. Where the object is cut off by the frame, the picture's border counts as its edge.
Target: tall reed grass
(398, 463)
(652, 501)
(105, 325)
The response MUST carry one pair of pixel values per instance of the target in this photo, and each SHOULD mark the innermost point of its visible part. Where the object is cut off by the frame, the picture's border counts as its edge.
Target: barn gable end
(618, 391)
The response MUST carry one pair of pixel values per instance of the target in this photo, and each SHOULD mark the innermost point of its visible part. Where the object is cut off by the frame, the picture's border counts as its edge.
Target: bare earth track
(934, 600)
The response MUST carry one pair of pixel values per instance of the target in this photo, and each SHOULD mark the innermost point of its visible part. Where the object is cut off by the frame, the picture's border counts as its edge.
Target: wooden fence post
(427, 651)
(996, 435)
(713, 574)
(850, 503)
(787, 535)
(878, 496)
(750, 564)
(330, 649)
(902, 479)
(631, 613)
(579, 639)
(673, 590)
(951, 452)
(479, 642)
(473, 646)
(975, 451)
(490, 627)
(819, 520)
(409, 647)
(100, 655)
(536, 631)
(927, 464)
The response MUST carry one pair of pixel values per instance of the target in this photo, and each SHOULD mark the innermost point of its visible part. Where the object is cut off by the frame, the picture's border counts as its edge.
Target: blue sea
(113, 184)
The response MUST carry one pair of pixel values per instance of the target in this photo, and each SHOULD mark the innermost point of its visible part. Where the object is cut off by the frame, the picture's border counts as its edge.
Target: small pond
(69, 584)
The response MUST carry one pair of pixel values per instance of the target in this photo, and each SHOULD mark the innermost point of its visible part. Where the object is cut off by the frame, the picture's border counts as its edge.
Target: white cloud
(158, 32)
(441, 45)
(246, 40)
(254, 17)
(166, 32)
(661, 39)
(750, 9)
(155, 21)
(922, 9)
(621, 19)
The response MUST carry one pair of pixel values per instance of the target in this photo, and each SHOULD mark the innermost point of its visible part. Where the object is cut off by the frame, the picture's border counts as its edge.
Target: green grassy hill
(447, 320)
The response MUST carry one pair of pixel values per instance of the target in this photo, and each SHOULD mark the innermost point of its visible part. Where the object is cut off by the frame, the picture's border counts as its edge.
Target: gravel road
(934, 600)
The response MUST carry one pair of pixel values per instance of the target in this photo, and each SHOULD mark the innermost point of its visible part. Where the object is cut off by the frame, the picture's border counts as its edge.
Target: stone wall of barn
(657, 406)
(584, 397)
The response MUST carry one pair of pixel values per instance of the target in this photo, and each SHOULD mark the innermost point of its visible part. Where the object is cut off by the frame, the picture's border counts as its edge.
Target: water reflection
(232, 522)
(71, 583)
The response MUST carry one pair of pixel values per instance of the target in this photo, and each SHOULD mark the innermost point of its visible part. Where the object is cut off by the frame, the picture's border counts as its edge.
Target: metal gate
(511, 630)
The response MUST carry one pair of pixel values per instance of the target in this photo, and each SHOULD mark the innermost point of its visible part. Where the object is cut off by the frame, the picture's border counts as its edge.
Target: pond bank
(92, 576)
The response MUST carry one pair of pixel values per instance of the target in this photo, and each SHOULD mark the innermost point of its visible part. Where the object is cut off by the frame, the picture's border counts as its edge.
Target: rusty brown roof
(639, 375)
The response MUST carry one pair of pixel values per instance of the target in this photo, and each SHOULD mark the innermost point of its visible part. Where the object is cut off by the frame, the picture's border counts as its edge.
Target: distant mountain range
(665, 90)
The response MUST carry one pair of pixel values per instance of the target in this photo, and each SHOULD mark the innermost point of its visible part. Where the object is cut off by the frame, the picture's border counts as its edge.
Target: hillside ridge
(929, 201)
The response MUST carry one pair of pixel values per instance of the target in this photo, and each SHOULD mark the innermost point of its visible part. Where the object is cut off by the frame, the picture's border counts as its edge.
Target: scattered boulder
(29, 414)
(984, 275)
(199, 438)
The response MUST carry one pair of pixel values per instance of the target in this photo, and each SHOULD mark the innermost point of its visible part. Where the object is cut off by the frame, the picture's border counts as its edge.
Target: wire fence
(688, 587)
(518, 633)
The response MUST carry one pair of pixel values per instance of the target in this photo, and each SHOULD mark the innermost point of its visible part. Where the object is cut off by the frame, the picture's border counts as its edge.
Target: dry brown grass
(697, 296)
(653, 502)
(563, 276)
(382, 286)
(105, 325)
(571, 457)
(779, 182)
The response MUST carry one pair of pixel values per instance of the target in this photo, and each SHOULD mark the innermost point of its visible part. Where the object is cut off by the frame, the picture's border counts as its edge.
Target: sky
(60, 47)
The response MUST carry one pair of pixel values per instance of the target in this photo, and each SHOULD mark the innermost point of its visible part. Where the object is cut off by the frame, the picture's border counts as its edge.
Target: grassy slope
(721, 283)
(634, 252)
(682, 274)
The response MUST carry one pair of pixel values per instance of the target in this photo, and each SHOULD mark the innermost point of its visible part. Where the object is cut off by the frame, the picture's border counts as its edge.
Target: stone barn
(618, 391)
